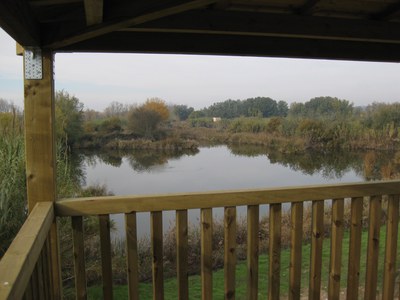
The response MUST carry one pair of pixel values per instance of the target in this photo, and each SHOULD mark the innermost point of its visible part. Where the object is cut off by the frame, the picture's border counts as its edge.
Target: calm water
(215, 168)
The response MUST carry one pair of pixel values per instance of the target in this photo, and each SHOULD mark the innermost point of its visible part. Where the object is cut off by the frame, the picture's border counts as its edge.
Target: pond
(221, 168)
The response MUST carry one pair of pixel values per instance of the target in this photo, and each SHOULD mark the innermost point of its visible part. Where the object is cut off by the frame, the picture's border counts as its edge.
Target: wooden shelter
(367, 30)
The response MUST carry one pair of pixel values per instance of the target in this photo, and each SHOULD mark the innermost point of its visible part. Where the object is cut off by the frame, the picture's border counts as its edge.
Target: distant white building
(217, 119)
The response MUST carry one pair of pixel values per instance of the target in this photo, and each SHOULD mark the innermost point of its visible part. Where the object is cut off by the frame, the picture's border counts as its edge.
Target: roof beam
(97, 30)
(387, 13)
(16, 19)
(307, 7)
(275, 25)
(93, 11)
(179, 43)
(52, 2)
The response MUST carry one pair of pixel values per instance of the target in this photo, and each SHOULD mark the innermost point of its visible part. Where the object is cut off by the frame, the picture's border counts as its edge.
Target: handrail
(146, 203)
(18, 263)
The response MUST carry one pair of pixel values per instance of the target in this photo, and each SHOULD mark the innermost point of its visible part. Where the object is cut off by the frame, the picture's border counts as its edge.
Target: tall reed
(13, 208)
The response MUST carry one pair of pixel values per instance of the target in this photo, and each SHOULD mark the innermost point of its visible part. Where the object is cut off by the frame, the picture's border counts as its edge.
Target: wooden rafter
(307, 7)
(94, 11)
(387, 13)
(52, 2)
(274, 25)
(191, 43)
(16, 19)
(105, 28)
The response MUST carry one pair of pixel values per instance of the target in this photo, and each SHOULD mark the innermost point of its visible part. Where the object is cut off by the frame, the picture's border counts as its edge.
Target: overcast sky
(198, 81)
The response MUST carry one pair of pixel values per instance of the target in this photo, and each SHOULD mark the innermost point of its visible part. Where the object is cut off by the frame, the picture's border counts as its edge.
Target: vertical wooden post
(40, 152)
(229, 251)
(275, 223)
(253, 216)
(206, 254)
(336, 249)
(296, 241)
(182, 253)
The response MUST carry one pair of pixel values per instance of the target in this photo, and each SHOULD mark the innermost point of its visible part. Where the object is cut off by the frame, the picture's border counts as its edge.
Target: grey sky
(98, 79)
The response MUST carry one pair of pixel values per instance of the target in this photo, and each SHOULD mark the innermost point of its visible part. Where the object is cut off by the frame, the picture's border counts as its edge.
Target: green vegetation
(263, 107)
(69, 118)
(322, 123)
(170, 284)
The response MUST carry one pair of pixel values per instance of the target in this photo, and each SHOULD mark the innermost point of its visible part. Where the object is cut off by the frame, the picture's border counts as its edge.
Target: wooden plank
(316, 249)
(46, 272)
(18, 263)
(296, 243)
(48, 246)
(28, 292)
(217, 43)
(79, 257)
(19, 50)
(39, 272)
(132, 255)
(40, 152)
(392, 225)
(253, 215)
(229, 252)
(145, 203)
(35, 284)
(105, 249)
(182, 253)
(261, 24)
(17, 20)
(95, 31)
(336, 249)
(157, 250)
(93, 11)
(274, 278)
(206, 253)
(371, 276)
(353, 270)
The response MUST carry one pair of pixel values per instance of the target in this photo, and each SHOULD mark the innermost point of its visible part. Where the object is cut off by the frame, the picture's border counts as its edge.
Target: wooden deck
(25, 271)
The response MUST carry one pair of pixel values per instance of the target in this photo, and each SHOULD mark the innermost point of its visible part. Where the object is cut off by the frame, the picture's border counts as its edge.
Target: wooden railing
(371, 193)
(24, 269)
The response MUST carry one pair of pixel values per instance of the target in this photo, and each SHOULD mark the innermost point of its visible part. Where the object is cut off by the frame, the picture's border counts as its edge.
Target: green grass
(170, 284)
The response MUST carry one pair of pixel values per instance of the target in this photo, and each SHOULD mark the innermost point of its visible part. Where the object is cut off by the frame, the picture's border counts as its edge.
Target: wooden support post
(40, 152)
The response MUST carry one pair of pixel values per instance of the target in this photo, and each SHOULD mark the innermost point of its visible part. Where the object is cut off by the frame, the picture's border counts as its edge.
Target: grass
(170, 284)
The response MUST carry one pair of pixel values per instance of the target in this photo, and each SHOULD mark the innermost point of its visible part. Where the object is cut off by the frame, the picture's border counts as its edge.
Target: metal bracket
(33, 63)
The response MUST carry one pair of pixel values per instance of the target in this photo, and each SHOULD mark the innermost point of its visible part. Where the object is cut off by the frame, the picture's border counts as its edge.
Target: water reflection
(226, 168)
(368, 165)
(139, 160)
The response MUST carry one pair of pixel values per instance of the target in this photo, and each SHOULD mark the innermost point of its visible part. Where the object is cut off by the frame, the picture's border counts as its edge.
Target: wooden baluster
(371, 277)
(182, 253)
(336, 248)
(132, 255)
(106, 264)
(28, 291)
(229, 251)
(206, 253)
(253, 212)
(46, 274)
(157, 250)
(79, 257)
(392, 226)
(316, 249)
(296, 239)
(35, 284)
(49, 279)
(275, 217)
(353, 270)
(39, 270)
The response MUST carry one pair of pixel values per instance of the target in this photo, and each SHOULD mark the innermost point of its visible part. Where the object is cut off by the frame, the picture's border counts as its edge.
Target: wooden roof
(334, 29)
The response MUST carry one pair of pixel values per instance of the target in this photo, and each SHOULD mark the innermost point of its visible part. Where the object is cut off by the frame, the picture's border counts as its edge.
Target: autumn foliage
(145, 119)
